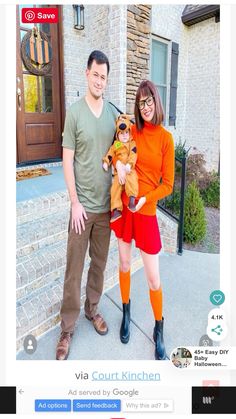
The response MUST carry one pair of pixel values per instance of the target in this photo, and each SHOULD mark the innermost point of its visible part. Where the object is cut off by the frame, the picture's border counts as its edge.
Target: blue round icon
(217, 297)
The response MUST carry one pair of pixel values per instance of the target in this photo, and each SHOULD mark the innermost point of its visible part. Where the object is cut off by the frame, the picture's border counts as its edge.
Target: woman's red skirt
(142, 228)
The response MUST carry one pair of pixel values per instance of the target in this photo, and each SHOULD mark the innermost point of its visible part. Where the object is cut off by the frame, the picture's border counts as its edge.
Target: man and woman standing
(88, 134)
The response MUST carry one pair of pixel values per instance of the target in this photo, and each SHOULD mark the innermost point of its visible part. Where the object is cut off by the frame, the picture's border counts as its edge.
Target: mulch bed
(211, 243)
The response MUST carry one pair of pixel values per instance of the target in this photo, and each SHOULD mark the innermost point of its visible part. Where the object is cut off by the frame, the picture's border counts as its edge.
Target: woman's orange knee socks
(156, 302)
(124, 278)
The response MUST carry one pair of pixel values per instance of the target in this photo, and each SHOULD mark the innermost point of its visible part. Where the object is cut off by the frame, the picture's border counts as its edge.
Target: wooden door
(39, 104)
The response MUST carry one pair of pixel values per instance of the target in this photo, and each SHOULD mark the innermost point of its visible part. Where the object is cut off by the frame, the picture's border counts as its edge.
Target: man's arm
(68, 167)
(77, 210)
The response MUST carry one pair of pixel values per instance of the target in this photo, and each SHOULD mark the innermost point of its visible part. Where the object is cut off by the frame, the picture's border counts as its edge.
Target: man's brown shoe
(99, 324)
(63, 346)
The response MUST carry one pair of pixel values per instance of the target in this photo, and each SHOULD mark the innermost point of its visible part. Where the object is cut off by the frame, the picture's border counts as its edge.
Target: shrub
(194, 215)
(172, 202)
(180, 149)
(180, 152)
(211, 194)
(207, 182)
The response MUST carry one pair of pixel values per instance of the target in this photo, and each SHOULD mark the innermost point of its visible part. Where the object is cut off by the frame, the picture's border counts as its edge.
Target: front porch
(42, 222)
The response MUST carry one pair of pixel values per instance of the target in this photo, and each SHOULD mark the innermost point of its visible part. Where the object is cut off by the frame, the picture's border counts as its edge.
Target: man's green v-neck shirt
(90, 138)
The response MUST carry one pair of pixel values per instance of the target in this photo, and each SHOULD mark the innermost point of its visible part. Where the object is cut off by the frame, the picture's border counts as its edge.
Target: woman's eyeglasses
(149, 101)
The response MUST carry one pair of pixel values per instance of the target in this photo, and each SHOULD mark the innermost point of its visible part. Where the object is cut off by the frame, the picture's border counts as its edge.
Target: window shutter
(173, 83)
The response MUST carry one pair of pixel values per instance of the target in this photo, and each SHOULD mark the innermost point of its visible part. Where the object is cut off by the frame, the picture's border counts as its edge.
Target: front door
(39, 104)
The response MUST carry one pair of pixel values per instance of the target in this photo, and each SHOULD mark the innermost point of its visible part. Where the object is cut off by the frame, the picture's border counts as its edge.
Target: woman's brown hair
(145, 89)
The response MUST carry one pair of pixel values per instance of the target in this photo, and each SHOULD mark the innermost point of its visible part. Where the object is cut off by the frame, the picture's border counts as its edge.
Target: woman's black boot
(160, 351)
(125, 325)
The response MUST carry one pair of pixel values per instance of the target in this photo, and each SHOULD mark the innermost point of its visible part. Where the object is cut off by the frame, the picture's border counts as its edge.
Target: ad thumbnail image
(117, 179)
(181, 358)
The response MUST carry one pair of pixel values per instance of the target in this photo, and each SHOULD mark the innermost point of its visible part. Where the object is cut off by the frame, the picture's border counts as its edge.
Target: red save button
(39, 15)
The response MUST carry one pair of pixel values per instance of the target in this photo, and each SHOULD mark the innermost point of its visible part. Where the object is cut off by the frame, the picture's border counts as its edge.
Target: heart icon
(217, 298)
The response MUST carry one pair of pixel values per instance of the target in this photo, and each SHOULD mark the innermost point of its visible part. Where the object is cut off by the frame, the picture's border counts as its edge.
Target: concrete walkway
(187, 282)
(42, 185)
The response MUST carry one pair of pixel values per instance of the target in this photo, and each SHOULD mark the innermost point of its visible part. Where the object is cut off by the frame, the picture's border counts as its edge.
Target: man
(88, 133)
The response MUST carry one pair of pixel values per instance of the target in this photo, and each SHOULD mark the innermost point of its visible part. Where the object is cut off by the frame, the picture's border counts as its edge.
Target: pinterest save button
(39, 15)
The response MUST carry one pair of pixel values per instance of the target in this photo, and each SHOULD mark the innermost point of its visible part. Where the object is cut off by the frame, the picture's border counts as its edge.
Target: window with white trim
(159, 64)
(166, 77)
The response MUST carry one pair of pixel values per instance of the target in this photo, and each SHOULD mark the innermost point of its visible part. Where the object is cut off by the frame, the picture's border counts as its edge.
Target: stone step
(38, 311)
(46, 265)
(37, 208)
(39, 305)
(39, 233)
(39, 269)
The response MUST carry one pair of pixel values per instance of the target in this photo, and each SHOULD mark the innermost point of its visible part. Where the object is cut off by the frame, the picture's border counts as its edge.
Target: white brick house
(138, 37)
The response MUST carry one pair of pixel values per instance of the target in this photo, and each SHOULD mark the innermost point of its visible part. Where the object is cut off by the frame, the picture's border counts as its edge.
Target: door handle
(19, 98)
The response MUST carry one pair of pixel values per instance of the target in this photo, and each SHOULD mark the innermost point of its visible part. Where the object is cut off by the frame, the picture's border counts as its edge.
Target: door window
(45, 94)
(37, 89)
(31, 98)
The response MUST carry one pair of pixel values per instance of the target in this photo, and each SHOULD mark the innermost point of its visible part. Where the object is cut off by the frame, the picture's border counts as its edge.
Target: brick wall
(75, 52)
(117, 21)
(202, 124)
(169, 232)
(104, 31)
(198, 79)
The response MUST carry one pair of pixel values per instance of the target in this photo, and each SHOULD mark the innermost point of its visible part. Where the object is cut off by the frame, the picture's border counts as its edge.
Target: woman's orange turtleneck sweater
(156, 161)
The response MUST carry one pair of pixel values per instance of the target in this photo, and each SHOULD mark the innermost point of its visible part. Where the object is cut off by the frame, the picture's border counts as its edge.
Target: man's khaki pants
(97, 237)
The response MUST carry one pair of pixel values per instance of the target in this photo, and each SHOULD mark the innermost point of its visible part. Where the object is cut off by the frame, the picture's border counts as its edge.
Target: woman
(155, 169)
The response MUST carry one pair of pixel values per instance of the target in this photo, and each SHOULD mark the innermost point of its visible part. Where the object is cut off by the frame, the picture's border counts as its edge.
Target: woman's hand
(78, 214)
(121, 172)
(140, 203)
